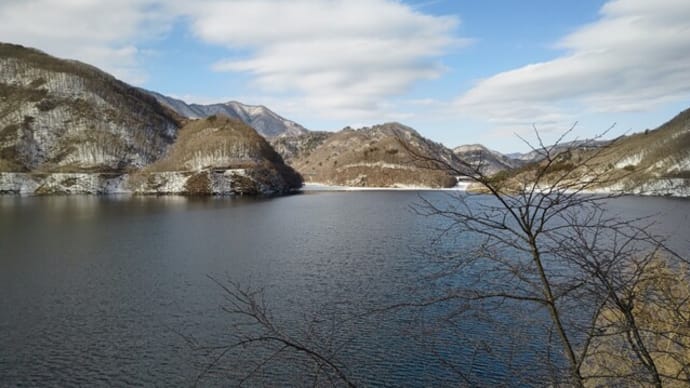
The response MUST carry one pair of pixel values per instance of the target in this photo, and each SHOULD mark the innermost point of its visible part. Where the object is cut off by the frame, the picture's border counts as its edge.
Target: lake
(116, 290)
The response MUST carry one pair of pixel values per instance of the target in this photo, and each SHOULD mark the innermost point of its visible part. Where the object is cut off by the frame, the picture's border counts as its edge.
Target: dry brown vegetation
(374, 157)
(224, 143)
(115, 92)
(293, 147)
(662, 311)
(220, 141)
(198, 184)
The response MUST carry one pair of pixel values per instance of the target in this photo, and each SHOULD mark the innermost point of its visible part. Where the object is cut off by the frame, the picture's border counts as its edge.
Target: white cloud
(635, 57)
(337, 58)
(102, 33)
(341, 58)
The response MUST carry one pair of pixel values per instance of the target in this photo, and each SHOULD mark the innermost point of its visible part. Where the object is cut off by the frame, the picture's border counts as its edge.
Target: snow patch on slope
(632, 160)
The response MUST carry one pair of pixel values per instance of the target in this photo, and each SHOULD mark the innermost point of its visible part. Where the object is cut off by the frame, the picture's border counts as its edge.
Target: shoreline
(316, 186)
(666, 192)
(174, 183)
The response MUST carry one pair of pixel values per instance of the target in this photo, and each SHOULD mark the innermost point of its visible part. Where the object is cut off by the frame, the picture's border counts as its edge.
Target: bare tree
(544, 237)
(265, 343)
(544, 261)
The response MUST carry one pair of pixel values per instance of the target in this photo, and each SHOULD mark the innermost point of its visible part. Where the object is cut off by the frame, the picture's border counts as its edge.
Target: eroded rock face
(206, 182)
(61, 183)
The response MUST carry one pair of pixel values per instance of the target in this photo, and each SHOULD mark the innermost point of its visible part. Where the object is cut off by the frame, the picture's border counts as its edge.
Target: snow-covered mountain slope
(538, 154)
(653, 162)
(653, 158)
(59, 115)
(268, 123)
(67, 127)
(489, 161)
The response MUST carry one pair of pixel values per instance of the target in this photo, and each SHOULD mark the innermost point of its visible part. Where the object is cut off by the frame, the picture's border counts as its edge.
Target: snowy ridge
(268, 123)
(491, 161)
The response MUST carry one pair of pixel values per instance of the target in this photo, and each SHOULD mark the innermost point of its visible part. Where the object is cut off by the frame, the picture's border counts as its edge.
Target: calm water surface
(104, 291)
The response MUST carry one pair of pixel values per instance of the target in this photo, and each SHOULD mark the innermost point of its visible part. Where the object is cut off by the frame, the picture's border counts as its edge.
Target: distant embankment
(205, 182)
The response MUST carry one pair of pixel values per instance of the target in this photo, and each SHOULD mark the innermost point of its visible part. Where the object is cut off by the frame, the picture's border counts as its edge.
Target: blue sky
(457, 71)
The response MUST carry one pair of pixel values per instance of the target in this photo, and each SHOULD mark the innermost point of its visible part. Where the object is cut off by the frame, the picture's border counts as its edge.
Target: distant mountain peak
(268, 123)
(490, 160)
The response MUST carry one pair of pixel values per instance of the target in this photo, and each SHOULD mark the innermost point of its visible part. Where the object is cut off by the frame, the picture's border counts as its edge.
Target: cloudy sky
(459, 71)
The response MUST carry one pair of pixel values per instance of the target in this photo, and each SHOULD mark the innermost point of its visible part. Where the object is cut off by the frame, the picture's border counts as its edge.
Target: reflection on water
(97, 290)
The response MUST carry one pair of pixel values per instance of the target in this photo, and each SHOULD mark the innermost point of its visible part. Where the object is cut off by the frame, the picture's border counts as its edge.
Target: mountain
(222, 155)
(375, 157)
(67, 127)
(538, 154)
(300, 146)
(58, 115)
(490, 161)
(653, 162)
(268, 123)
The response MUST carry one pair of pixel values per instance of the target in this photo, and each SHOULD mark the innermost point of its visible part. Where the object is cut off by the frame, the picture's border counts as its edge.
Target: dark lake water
(110, 290)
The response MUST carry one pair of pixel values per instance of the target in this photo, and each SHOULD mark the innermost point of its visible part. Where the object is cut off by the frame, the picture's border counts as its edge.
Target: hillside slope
(538, 154)
(375, 157)
(653, 162)
(67, 127)
(221, 155)
(300, 146)
(489, 161)
(60, 115)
